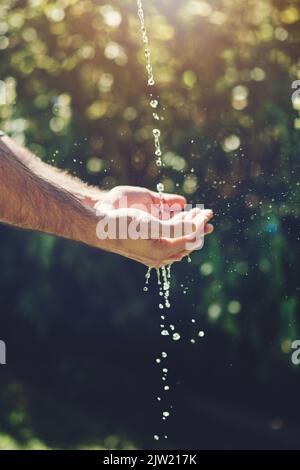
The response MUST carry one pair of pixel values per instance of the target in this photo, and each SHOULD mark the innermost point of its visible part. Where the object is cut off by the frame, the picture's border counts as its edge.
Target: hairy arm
(82, 191)
(31, 200)
(36, 196)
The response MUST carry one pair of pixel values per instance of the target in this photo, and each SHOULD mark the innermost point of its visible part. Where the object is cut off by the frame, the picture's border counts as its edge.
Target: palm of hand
(141, 199)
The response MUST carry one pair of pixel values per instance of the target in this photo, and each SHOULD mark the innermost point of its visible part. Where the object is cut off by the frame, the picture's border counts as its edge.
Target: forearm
(73, 185)
(30, 201)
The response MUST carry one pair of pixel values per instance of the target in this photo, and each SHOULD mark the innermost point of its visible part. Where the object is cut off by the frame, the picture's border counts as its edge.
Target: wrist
(89, 196)
(86, 230)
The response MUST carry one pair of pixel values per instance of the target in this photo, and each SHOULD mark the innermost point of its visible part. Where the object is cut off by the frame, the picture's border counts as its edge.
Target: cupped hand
(160, 243)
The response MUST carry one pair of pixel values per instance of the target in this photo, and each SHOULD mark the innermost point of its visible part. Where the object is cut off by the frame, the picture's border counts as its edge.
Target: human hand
(142, 199)
(153, 248)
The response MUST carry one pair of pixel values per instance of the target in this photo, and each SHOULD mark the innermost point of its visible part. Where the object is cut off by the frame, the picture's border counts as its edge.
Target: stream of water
(163, 273)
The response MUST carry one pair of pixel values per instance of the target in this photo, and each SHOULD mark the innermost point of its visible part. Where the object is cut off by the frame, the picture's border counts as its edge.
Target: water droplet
(147, 279)
(201, 334)
(193, 341)
(164, 286)
(164, 333)
(156, 437)
(169, 270)
(160, 187)
(176, 336)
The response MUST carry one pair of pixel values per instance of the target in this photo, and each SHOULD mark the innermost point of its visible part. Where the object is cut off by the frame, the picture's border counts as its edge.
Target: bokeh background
(81, 334)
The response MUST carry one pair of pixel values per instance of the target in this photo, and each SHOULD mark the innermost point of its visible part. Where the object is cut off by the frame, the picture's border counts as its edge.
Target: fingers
(203, 217)
(193, 213)
(196, 241)
(179, 244)
(209, 228)
(141, 236)
(173, 199)
(175, 228)
(178, 257)
(188, 215)
(185, 218)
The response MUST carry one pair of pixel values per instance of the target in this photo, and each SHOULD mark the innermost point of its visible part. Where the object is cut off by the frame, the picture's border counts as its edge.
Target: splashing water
(154, 104)
(151, 82)
(147, 279)
(164, 284)
(176, 336)
(163, 273)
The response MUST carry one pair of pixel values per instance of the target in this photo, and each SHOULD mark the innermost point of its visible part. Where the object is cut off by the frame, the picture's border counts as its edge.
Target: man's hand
(139, 207)
(146, 200)
(153, 250)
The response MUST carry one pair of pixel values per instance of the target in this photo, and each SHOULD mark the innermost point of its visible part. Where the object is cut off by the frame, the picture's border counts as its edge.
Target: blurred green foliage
(76, 95)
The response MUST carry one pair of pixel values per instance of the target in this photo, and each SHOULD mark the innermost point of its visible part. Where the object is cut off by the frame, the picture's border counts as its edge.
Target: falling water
(147, 279)
(163, 273)
(154, 104)
(164, 285)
